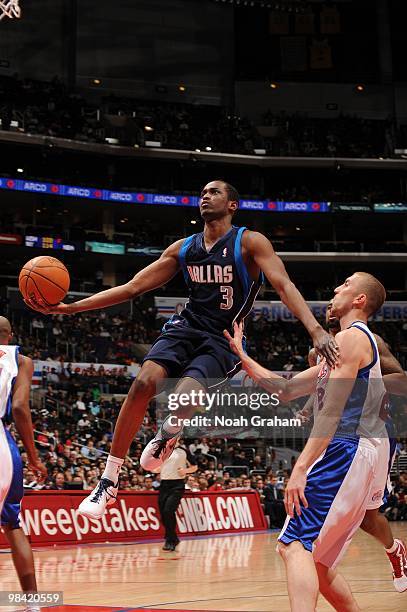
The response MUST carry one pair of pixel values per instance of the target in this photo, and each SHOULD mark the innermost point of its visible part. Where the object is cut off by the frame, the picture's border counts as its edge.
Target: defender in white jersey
(338, 476)
(374, 522)
(15, 382)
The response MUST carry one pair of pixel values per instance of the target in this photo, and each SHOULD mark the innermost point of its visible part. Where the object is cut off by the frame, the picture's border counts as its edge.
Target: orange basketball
(46, 278)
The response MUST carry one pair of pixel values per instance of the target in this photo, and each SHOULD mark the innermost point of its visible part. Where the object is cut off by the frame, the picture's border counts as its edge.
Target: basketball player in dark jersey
(375, 523)
(223, 268)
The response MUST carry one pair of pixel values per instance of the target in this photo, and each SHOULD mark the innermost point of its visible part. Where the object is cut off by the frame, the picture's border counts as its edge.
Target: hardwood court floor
(235, 573)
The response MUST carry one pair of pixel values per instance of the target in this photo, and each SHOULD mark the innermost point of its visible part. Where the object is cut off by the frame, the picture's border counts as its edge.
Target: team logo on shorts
(323, 371)
(377, 496)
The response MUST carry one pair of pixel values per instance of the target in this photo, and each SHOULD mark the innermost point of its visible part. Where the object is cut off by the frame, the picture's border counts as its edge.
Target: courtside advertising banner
(50, 517)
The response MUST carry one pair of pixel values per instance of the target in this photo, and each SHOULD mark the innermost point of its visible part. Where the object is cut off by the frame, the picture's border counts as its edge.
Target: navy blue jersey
(220, 288)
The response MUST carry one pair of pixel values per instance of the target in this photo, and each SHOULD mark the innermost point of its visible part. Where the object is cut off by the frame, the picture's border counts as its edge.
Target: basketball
(45, 278)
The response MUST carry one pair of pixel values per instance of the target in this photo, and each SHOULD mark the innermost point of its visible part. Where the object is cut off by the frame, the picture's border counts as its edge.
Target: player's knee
(144, 386)
(369, 521)
(283, 550)
(188, 385)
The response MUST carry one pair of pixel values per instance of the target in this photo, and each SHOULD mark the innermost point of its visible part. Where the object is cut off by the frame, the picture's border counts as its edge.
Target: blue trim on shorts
(12, 503)
(323, 483)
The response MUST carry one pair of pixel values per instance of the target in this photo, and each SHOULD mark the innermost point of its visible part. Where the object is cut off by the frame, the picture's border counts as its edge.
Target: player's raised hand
(235, 342)
(326, 346)
(294, 494)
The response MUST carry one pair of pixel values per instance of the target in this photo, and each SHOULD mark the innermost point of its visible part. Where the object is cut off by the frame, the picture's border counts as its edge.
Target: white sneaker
(158, 450)
(398, 560)
(105, 494)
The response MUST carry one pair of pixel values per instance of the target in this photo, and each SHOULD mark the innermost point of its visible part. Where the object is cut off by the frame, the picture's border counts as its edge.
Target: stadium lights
(20, 170)
(197, 150)
(273, 85)
(260, 151)
(360, 88)
(96, 82)
(148, 128)
(193, 221)
(208, 148)
(182, 88)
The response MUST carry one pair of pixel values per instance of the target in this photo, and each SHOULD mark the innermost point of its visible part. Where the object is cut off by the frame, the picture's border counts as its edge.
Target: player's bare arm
(355, 353)
(306, 411)
(302, 384)
(312, 358)
(394, 377)
(261, 251)
(22, 414)
(153, 276)
(388, 362)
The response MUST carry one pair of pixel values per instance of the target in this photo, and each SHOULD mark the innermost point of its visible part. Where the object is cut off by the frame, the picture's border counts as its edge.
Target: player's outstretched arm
(20, 406)
(394, 377)
(153, 276)
(298, 386)
(262, 252)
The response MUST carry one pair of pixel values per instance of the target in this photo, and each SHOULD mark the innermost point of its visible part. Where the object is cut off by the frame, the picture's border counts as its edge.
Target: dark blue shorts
(185, 351)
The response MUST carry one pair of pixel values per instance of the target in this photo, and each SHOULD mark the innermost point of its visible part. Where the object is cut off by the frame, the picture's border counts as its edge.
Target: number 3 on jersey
(227, 297)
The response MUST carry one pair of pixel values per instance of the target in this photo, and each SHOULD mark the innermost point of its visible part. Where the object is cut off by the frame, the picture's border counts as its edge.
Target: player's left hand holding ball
(44, 308)
(43, 283)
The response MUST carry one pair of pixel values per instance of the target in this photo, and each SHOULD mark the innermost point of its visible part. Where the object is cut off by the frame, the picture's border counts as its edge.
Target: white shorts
(348, 479)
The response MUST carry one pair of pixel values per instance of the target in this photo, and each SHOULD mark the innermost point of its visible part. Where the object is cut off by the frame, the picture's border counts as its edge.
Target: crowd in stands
(344, 136)
(50, 109)
(74, 443)
(102, 337)
(90, 337)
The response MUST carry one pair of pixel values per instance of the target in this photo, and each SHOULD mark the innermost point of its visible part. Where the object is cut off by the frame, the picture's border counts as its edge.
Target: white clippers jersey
(362, 413)
(8, 373)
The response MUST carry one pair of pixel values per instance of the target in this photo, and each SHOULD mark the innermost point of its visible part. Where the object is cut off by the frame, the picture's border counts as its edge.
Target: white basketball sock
(112, 469)
(393, 548)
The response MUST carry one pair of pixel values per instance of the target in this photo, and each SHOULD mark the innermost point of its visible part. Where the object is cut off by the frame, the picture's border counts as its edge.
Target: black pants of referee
(169, 498)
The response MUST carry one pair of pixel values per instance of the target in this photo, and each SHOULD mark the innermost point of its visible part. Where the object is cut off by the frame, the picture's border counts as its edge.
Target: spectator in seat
(148, 483)
(58, 483)
(274, 504)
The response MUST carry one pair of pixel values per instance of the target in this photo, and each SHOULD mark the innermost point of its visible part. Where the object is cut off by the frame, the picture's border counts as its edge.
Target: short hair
(232, 192)
(375, 292)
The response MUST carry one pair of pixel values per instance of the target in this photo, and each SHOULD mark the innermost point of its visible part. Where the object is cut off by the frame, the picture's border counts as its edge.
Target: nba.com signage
(276, 311)
(51, 517)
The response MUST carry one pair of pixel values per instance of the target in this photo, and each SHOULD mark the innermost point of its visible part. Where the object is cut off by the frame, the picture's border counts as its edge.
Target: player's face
(331, 321)
(214, 202)
(345, 295)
